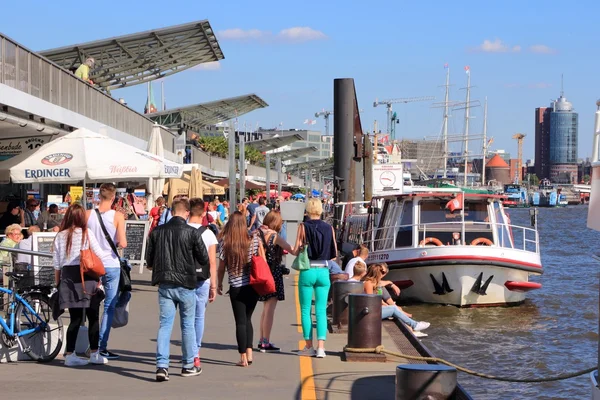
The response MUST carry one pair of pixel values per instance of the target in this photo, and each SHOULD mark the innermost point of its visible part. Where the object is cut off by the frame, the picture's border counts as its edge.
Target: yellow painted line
(307, 380)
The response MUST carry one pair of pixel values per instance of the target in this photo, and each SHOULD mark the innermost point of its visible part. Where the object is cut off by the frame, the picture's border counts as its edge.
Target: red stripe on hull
(522, 286)
(467, 258)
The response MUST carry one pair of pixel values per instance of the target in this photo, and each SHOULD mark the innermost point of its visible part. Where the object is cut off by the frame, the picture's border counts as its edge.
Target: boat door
(384, 238)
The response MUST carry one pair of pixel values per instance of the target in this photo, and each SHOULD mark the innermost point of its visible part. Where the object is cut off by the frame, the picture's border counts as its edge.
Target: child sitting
(360, 270)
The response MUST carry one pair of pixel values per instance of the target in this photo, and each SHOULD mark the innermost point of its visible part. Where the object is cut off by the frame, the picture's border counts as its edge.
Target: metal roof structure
(142, 57)
(308, 165)
(200, 115)
(291, 154)
(274, 143)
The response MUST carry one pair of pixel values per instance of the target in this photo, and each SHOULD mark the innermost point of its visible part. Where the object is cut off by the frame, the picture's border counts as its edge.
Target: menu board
(42, 242)
(136, 233)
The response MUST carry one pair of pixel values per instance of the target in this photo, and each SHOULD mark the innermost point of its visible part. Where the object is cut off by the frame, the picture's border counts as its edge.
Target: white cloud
(300, 34)
(541, 49)
(209, 66)
(496, 46)
(296, 34)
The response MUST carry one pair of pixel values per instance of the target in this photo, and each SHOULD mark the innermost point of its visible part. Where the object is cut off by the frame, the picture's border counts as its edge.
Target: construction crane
(325, 115)
(391, 117)
(519, 138)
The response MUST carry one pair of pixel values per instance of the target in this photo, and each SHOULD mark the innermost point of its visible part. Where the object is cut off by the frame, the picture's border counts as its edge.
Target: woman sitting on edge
(320, 239)
(274, 246)
(372, 285)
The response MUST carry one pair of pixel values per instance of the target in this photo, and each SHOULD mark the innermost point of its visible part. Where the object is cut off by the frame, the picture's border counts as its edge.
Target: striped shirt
(60, 258)
(243, 278)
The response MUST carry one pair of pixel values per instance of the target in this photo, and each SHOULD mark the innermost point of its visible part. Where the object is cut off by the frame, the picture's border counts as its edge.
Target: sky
(289, 53)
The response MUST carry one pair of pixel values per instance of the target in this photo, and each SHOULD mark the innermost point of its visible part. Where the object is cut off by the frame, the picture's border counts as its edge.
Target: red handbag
(261, 278)
(89, 263)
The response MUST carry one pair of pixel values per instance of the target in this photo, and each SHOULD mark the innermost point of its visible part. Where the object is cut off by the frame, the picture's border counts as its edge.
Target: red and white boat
(446, 246)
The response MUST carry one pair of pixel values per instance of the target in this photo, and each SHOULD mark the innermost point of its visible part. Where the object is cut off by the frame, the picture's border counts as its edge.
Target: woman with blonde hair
(74, 294)
(13, 237)
(372, 285)
(274, 246)
(314, 282)
(237, 249)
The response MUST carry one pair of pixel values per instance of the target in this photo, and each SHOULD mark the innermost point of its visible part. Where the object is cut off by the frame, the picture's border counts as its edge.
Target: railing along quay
(27, 71)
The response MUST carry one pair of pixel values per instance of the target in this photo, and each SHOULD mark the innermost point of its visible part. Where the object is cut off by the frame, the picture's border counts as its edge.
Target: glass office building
(563, 141)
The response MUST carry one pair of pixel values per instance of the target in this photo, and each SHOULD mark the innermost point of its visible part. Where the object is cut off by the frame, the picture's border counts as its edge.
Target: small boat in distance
(446, 246)
(516, 196)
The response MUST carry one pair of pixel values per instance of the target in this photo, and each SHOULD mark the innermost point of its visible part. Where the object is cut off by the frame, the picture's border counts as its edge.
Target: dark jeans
(76, 321)
(243, 302)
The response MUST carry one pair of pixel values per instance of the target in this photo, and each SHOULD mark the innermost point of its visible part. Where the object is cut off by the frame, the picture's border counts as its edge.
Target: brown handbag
(89, 263)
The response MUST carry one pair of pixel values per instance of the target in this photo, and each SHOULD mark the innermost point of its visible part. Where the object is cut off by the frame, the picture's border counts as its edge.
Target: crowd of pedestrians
(189, 257)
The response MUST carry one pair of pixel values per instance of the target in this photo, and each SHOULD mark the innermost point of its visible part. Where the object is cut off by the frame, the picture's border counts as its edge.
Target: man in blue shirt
(252, 213)
(220, 209)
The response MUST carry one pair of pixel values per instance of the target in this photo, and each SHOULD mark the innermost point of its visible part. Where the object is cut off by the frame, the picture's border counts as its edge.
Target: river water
(553, 332)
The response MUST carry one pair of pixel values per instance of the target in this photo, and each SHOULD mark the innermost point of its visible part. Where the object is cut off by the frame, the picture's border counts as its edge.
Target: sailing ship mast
(445, 134)
(467, 116)
(485, 145)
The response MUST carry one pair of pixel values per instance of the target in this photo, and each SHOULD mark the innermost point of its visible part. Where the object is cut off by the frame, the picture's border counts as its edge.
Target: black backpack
(202, 271)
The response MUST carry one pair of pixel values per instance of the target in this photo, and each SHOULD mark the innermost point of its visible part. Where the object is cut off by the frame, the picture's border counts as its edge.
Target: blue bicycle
(29, 320)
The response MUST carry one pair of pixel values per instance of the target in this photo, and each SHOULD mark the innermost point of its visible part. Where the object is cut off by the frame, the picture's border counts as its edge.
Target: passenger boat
(446, 246)
(516, 196)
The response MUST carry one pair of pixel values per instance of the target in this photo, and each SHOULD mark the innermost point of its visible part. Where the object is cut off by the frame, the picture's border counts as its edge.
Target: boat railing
(401, 236)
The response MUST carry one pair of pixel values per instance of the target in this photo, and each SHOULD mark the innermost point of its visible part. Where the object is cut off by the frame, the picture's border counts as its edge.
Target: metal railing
(381, 239)
(33, 74)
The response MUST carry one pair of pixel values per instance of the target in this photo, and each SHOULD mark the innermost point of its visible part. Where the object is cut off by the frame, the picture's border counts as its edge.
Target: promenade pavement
(272, 376)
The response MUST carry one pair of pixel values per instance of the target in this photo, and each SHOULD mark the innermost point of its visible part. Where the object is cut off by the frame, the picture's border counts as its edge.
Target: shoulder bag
(125, 279)
(261, 278)
(89, 264)
(302, 262)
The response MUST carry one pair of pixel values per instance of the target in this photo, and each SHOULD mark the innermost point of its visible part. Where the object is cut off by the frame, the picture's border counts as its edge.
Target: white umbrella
(155, 146)
(85, 155)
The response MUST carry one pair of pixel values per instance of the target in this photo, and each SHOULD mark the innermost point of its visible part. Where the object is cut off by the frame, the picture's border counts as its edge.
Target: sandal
(242, 364)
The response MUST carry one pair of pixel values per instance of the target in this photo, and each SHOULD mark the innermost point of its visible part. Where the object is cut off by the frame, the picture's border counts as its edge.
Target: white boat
(448, 246)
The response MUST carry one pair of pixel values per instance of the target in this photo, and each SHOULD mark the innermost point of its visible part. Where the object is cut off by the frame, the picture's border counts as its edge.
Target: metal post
(446, 105)
(467, 116)
(343, 142)
(268, 175)
(484, 143)
(279, 176)
(242, 165)
(232, 183)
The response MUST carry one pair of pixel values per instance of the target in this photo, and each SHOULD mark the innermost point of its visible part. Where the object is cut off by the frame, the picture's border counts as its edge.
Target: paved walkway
(272, 376)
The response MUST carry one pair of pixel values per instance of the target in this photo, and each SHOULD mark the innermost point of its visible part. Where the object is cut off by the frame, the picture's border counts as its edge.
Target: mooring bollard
(339, 313)
(425, 381)
(364, 321)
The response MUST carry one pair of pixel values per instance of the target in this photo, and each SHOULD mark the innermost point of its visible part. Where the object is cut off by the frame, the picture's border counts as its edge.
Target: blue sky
(516, 50)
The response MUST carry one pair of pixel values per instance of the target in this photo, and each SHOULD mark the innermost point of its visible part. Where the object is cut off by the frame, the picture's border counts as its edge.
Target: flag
(455, 203)
(468, 69)
(446, 66)
(309, 122)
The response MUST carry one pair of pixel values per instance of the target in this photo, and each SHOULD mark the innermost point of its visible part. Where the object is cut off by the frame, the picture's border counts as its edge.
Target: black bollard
(425, 381)
(339, 313)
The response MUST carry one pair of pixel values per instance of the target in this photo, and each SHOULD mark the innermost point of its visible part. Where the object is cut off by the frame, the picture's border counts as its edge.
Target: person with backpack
(108, 226)
(206, 287)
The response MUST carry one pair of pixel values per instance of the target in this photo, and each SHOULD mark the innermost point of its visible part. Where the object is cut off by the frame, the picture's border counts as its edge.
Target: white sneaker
(307, 352)
(73, 361)
(421, 326)
(96, 358)
(321, 353)
(420, 334)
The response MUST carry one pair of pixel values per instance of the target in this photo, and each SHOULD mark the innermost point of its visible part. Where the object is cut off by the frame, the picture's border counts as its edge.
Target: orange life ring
(433, 240)
(481, 241)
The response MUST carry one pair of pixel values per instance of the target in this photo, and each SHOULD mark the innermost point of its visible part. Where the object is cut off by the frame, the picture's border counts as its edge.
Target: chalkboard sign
(136, 233)
(42, 242)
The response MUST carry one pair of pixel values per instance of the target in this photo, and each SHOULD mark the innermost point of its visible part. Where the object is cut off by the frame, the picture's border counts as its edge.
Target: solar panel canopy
(295, 153)
(142, 57)
(200, 115)
(275, 142)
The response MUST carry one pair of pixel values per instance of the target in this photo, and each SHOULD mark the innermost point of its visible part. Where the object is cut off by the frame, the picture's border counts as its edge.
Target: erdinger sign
(172, 170)
(51, 160)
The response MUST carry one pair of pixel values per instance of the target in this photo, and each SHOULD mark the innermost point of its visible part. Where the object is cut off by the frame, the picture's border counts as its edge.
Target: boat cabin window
(440, 223)
(405, 230)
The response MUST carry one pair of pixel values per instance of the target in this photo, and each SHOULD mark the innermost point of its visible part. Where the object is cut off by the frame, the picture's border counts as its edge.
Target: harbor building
(556, 141)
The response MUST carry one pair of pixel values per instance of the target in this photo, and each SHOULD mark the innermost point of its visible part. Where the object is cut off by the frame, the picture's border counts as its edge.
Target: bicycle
(29, 319)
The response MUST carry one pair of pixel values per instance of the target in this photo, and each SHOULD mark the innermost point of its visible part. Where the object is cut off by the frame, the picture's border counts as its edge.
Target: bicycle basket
(42, 276)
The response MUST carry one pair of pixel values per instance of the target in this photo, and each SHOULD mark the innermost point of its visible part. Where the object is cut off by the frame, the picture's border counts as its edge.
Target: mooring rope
(381, 349)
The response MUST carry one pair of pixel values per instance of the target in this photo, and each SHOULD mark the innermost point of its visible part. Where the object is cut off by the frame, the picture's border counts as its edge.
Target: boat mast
(484, 142)
(446, 106)
(467, 106)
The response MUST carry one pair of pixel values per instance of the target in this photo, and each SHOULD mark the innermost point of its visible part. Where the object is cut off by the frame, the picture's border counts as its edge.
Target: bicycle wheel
(45, 342)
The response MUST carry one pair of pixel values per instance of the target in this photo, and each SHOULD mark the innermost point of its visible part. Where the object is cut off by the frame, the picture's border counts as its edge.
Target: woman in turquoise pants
(319, 238)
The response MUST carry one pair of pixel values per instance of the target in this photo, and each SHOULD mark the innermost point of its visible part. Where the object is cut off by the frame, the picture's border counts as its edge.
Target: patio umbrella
(195, 190)
(212, 189)
(249, 184)
(85, 155)
(155, 146)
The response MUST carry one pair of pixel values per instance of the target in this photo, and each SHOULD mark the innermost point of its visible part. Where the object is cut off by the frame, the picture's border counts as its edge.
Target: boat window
(476, 212)
(405, 231)
(435, 211)
(383, 240)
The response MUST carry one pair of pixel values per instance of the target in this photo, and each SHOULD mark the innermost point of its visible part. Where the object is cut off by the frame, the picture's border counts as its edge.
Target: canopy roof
(201, 115)
(274, 143)
(295, 153)
(310, 165)
(142, 57)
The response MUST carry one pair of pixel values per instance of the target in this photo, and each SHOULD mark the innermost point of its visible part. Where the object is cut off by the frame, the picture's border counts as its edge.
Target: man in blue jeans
(174, 251)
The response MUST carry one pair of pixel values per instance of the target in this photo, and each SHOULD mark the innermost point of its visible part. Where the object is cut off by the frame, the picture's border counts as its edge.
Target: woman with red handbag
(237, 250)
(78, 295)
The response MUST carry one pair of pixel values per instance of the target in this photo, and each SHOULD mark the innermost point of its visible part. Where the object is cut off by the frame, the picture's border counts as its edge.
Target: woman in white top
(72, 238)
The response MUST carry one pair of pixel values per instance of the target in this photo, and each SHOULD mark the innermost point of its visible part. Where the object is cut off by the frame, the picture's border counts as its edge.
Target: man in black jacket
(174, 250)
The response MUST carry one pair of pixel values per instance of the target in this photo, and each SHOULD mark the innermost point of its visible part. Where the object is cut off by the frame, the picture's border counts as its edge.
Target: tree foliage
(218, 146)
